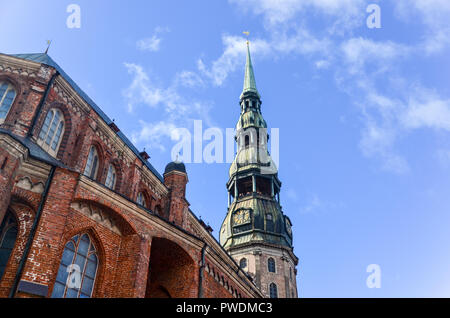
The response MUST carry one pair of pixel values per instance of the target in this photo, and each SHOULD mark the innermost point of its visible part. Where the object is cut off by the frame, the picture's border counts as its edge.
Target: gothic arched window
(243, 263)
(52, 131)
(92, 163)
(77, 270)
(111, 177)
(7, 95)
(271, 265)
(273, 290)
(8, 235)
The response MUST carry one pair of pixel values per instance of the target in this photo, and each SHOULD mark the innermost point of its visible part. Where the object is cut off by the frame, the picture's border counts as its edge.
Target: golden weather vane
(48, 45)
(247, 34)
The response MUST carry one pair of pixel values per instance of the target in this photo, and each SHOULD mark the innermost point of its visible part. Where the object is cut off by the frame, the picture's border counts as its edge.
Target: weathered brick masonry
(147, 241)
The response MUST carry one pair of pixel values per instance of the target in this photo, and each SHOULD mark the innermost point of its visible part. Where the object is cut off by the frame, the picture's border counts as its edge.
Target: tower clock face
(241, 217)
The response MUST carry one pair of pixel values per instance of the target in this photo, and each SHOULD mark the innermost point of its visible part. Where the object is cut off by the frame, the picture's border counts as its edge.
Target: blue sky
(364, 115)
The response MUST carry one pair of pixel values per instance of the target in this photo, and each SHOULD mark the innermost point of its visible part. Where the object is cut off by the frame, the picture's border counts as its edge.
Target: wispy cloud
(434, 15)
(388, 111)
(427, 110)
(152, 43)
(189, 79)
(285, 11)
(280, 44)
(177, 110)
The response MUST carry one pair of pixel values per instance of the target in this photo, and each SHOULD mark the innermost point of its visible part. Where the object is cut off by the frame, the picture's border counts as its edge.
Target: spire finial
(49, 42)
(249, 77)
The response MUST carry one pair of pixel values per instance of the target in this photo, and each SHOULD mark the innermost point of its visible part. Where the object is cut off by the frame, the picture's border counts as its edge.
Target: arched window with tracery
(77, 270)
(7, 96)
(52, 131)
(8, 235)
(243, 263)
(273, 290)
(271, 265)
(111, 177)
(92, 163)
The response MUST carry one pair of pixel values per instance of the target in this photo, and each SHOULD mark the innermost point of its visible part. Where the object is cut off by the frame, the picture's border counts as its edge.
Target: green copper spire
(249, 77)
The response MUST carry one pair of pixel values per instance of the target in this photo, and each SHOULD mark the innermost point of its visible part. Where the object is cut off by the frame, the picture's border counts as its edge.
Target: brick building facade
(79, 201)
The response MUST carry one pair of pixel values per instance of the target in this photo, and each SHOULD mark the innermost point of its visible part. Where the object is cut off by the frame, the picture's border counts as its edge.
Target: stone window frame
(269, 267)
(244, 259)
(67, 126)
(270, 289)
(92, 250)
(97, 167)
(42, 140)
(11, 86)
(111, 177)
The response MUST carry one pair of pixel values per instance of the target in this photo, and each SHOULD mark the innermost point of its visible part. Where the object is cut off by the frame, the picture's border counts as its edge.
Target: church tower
(256, 232)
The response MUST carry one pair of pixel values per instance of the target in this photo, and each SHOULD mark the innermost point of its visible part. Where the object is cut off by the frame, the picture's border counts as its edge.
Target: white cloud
(154, 133)
(152, 43)
(140, 89)
(177, 111)
(189, 79)
(322, 64)
(427, 110)
(283, 11)
(434, 15)
(357, 52)
(233, 56)
(378, 141)
(314, 204)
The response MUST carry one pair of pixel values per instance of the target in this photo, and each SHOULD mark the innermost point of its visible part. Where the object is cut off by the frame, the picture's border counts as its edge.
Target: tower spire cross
(249, 76)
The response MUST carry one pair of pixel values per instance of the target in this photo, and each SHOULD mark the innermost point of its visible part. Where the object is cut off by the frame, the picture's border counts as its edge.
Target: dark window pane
(243, 263)
(62, 274)
(87, 285)
(273, 291)
(67, 257)
(10, 238)
(72, 293)
(80, 260)
(8, 234)
(94, 168)
(271, 265)
(83, 247)
(91, 268)
(46, 124)
(58, 290)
